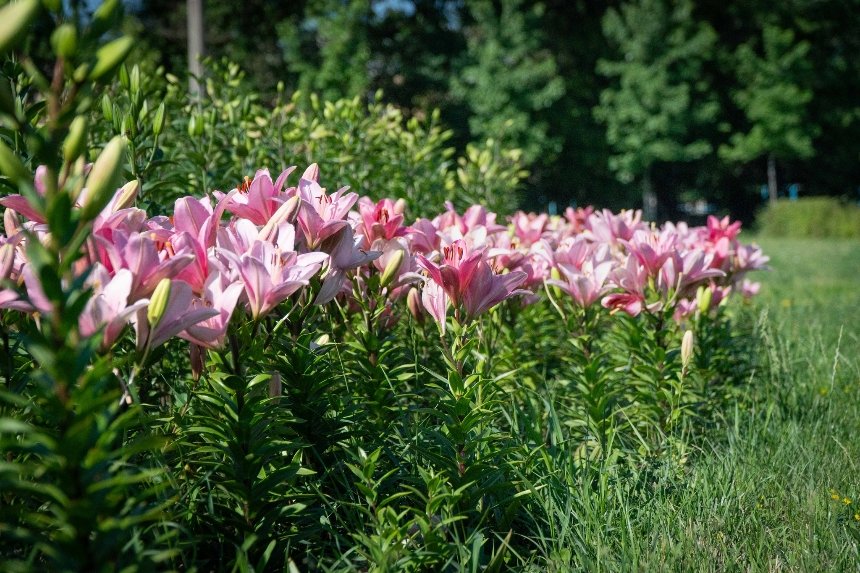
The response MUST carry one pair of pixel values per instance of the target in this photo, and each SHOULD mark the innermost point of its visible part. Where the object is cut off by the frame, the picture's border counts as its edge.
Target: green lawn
(759, 496)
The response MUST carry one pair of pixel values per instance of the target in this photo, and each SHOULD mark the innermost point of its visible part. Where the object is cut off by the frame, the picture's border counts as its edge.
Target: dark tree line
(653, 102)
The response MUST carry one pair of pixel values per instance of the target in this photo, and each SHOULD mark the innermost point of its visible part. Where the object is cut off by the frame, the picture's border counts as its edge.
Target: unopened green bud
(104, 177)
(14, 19)
(76, 141)
(704, 295)
(107, 108)
(11, 166)
(134, 80)
(158, 122)
(687, 349)
(81, 72)
(64, 40)
(111, 55)
(192, 125)
(391, 268)
(158, 302)
(122, 76)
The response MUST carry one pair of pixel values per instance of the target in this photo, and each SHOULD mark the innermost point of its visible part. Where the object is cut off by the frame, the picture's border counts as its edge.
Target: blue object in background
(552, 208)
(764, 191)
(793, 191)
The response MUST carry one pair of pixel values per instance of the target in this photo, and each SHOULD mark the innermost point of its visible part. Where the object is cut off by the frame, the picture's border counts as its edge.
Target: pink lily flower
(423, 237)
(271, 275)
(628, 302)
(345, 255)
(108, 307)
(577, 218)
(652, 249)
(196, 272)
(380, 220)
(436, 301)
(455, 272)
(469, 280)
(179, 314)
(20, 204)
(487, 289)
(587, 284)
(722, 228)
(632, 279)
(529, 228)
(321, 215)
(148, 261)
(607, 227)
(749, 289)
(257, 199)
(211, 332)
(197, 218)
(237, 236)
(684, 272)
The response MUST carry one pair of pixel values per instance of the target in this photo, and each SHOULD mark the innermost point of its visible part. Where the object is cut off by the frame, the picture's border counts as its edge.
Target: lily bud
(158, 302)
(275, 385)
(7, 259)
(107, 108)
(158, 122)
(111, 55)
(413, 303)
(104, 178)
(76, 141)
(11, 222)
(704, 296)
(64, 40)
(14, 18)
(127, 195)
(285, 213)
(196, 355)
(687, 349)
(391, 268)
(400, 206)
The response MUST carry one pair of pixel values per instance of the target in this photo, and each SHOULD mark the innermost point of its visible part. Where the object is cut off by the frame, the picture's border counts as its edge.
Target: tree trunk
(771, 178)
(195, 45)
(649, 198)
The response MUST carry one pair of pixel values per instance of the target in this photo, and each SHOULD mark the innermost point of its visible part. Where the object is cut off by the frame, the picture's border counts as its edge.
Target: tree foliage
(659, 96)
(774, 95)
(508, 78)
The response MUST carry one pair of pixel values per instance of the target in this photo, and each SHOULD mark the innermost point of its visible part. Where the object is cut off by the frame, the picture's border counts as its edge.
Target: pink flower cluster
(249, 250)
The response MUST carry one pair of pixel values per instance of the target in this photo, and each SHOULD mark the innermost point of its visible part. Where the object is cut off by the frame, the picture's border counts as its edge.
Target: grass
(776, 486)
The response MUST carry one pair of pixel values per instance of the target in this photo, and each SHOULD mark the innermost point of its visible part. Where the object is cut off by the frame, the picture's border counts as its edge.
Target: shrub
(811, 217)
(214, 141)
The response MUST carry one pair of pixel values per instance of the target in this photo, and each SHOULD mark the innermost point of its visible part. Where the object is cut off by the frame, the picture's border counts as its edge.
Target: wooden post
(649, 198)
(195, 46)
(771, 178)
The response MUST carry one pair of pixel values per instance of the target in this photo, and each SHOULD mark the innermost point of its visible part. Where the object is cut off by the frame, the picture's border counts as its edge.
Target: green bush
(811, 217)
(196, 145)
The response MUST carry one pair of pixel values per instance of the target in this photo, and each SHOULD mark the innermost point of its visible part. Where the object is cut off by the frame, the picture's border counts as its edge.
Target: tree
(508, 77)
(328, 48)
(774, 100)
(659, 100)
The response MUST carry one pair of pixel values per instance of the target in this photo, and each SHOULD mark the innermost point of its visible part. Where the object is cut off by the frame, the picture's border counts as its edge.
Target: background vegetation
(690, 99)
